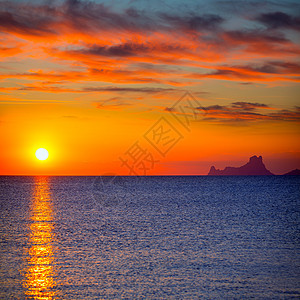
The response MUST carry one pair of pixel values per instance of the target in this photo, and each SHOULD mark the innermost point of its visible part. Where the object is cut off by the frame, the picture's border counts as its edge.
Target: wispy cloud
(114, 103)
(240, 112)
(248, 111)
(248, 105)
(129, 89)
(49, 87)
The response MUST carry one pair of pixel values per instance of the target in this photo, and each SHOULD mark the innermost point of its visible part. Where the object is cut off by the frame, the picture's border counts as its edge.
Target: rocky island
(255, 166)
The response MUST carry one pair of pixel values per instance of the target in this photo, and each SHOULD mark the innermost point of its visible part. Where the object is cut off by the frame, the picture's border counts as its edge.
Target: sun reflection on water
(39, 278)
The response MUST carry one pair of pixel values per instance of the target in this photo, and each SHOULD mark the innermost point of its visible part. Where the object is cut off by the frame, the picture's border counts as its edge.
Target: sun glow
(41, 154)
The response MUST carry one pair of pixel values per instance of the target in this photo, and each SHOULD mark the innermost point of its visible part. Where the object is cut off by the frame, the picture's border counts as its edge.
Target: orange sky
(103, 88)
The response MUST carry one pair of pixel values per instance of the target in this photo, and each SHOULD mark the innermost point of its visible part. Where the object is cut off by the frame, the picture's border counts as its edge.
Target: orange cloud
(92, 42)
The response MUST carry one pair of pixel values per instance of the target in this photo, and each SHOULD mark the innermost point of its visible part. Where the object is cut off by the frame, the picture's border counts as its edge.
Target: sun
(41, 154)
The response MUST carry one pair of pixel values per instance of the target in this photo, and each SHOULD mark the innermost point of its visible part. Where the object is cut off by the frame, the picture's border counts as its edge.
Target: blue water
(150, 237)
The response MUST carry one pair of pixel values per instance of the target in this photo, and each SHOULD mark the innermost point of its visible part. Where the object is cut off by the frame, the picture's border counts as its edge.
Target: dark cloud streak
(27, 24)
(193, 22)
(128, 89)
(248, 112)
(279, 19)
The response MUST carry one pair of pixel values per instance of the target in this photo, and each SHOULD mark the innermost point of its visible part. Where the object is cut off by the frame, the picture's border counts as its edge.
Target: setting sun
(41, 154)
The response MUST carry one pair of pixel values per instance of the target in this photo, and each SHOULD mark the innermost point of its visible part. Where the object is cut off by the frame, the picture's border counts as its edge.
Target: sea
(154, 237)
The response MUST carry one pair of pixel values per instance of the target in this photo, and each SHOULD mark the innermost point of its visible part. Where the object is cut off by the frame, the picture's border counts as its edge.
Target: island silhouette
(255, 166)
(293, 172)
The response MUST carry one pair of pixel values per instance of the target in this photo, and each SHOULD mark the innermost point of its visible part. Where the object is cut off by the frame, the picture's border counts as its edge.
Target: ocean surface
(181, 237)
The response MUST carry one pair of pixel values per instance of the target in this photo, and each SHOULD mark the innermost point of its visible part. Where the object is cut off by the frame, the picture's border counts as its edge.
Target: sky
(148, 87)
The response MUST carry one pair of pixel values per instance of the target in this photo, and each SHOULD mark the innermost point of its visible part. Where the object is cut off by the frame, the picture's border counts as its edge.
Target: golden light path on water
(39, 277)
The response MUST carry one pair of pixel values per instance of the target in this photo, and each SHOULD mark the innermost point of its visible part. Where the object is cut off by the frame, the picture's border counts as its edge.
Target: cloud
(9, 51)
(279, 19)
(248, 112)
(170, 109)
(248, 105)
(263, 43)
(265, 72)
(122, 50)
(127, 49)
(275, 67)
(98, 42)
(255, 36)
(287, 115)
(103, 75)
(52, 18)
(114, 103)
(212, 108)
(128, 89)
(103, 89)
(26, 20)
(193, 22)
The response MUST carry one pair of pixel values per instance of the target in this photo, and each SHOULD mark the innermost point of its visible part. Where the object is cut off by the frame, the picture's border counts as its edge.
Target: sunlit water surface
(149, 237)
